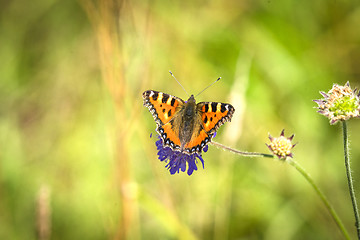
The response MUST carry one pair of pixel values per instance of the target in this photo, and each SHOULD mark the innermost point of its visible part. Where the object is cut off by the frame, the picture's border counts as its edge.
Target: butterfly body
(184, 125)
(186, 121)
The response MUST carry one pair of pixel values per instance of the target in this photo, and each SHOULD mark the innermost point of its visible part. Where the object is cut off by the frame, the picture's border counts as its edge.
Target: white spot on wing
(159, 99)
(218, 107)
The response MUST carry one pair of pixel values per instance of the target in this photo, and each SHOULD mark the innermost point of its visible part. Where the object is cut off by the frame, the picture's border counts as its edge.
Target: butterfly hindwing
(198, 140)
(169, 134)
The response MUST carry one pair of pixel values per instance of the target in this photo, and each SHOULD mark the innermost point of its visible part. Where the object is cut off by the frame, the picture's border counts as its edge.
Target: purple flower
(339, 104)
(176, 160)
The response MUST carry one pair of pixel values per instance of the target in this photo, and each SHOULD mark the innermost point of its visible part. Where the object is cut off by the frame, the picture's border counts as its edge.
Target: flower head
(178, 160)
(281, 146)
(339, 104)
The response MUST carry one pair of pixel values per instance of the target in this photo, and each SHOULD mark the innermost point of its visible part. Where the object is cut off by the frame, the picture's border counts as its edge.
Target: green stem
(320, 194)
(243, 153)
(302, 172)
(349, 177)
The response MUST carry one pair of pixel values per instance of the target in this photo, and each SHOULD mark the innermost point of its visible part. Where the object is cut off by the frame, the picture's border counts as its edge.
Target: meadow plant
(340, 104)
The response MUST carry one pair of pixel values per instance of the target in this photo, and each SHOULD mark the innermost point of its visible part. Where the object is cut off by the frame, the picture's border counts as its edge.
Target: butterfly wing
(214, 114)
(166, 111)
(164, 108)
(211, 115)
(199, 139)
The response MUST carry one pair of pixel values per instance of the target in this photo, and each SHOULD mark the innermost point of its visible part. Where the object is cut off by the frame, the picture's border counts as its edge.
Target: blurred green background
(76, 157)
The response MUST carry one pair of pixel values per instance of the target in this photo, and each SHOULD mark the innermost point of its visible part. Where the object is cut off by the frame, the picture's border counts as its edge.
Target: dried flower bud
(281, 146)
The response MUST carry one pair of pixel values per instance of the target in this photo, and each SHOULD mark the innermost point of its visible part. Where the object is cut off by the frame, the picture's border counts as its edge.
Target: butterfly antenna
(208, 86)
(179, 83)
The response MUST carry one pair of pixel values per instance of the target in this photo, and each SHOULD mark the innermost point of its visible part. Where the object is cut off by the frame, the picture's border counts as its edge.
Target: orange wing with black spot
(214, 114)
(211, 115)
(198, 141)
(163, 108)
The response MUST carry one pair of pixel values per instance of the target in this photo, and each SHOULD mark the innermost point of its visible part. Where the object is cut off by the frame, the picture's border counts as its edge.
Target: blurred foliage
(71, 117)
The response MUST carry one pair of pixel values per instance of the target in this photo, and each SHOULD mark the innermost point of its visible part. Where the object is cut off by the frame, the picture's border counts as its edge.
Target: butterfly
(186, 126)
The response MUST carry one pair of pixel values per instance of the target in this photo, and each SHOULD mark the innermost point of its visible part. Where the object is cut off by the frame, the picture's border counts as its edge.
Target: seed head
(339, 104)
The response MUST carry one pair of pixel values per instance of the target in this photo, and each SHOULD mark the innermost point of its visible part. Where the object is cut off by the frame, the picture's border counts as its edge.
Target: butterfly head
(191, 99)
(190, 107)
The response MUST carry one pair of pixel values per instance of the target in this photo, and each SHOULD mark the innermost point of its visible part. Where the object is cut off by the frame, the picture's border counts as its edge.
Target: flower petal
(178, 161)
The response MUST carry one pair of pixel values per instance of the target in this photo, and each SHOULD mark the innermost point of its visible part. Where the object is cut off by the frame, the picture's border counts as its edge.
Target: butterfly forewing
(215, 114)
(161, 105)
